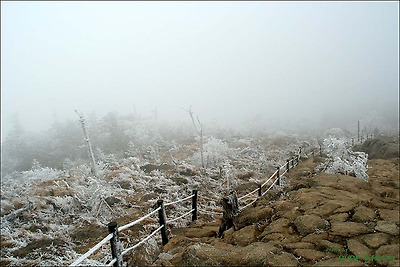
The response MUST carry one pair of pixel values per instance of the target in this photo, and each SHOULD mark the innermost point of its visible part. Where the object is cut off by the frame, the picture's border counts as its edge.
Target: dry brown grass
(246, 175)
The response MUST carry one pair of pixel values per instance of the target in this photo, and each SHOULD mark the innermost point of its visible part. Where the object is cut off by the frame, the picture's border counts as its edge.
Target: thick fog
(308, 64)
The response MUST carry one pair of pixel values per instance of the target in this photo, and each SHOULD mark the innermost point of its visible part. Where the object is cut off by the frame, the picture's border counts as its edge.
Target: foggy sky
(232, 61)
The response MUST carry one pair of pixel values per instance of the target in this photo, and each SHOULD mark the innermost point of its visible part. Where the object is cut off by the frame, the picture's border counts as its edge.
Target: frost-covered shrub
(174, 147)
(343, 160)
(215, 152)
(65, 204)
(132, 150)
(42, 174)
(152, 153)
(106, 161)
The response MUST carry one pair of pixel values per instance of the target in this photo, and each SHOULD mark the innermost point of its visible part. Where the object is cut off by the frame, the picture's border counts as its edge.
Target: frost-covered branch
(91, 155)
(199, 131)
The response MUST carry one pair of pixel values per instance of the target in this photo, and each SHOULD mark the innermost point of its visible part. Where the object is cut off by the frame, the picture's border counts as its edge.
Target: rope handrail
(126, 226)
(92, 250)
(309, 154)
(179, 200)
(248, 204)
(141, 242)
(154, 232)
(248, 194)
(183, 215)
(112, 262)
(208, 198)
(270, 187)
(272, 176)
(109, 236)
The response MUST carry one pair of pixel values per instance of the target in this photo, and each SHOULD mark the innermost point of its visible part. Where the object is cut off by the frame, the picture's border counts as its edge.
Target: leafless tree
(199, 130)
(90, 151)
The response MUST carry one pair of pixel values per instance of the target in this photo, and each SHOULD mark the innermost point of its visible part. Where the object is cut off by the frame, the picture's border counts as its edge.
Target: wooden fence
(113, 229)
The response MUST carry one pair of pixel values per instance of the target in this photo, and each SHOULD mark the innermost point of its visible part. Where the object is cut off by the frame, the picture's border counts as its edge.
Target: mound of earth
(380, 148)
(319, 220)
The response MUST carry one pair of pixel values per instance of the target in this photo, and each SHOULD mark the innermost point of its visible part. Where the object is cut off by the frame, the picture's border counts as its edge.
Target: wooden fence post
(259, 190)
(194, 205)
(115, 244)
(299, 151)
(279, 177)
(313, 153)
(320, 150)
(287, 165)
(352, 141)
(162, 218)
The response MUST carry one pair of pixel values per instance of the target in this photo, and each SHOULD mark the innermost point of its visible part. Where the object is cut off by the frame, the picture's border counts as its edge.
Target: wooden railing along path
(113, 236)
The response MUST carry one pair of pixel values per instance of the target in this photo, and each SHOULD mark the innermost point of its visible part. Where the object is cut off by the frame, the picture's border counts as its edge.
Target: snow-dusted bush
(39, 173)
(132, 150)
(342, 159)
(152, 153)
(215, 152)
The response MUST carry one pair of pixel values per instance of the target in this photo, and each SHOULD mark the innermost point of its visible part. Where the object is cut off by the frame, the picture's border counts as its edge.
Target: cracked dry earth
(319, 220)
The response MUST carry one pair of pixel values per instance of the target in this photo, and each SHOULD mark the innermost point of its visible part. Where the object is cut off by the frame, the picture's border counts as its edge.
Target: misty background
(302, 65)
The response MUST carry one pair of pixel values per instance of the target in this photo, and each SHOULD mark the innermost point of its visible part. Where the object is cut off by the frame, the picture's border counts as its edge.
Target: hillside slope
(384, 147)
(319, 220)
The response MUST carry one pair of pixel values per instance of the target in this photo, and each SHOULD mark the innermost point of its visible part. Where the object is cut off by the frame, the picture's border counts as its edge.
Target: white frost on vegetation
(341, 159)
(215, 151)
(55, 204)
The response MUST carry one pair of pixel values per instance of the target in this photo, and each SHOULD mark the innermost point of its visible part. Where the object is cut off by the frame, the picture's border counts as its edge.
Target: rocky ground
(318, 220)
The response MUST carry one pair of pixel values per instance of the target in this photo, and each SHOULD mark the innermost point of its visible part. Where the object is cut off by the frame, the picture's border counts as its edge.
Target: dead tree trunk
(230, 211)
(200, 133)
(90, 151)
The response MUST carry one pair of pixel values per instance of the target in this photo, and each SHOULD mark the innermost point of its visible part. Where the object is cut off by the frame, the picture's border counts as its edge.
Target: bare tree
(90, 151)
(199, 130)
